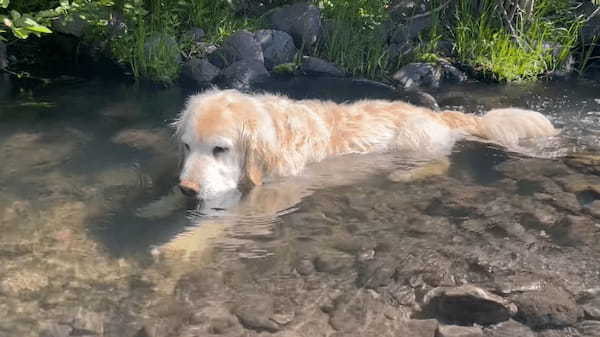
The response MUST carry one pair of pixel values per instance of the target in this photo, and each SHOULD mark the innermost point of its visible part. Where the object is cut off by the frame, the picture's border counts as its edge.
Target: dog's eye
(217, 150)
(187, 147)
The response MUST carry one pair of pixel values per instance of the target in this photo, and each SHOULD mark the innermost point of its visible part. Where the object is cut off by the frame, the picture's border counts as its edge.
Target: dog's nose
(188, 188)
(187, 191)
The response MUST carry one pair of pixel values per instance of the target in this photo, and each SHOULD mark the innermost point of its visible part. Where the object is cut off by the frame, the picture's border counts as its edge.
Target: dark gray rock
(301, 20)
(241, 45)
(591, 29)
(508, 329)
(3, 56)
(194, 34)
(452, 74)
(71, 25)
(314, 66)
(459, 331)
(551, 307)
(277, 47)
(466, 305)
(242, 74)
(417, 75)
(200, 71)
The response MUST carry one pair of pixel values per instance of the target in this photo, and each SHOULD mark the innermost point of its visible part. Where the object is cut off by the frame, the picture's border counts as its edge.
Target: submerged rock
(467, 305)
(315, 66)
(552, 307)
(255, 313)
(509, 329)
(594, 208)
(459, 331)
(584, 162)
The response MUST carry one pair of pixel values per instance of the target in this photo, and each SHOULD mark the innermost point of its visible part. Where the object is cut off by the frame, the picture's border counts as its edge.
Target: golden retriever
(232, 139)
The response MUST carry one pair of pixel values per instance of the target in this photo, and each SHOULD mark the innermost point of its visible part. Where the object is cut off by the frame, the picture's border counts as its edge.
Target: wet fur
(272, 135)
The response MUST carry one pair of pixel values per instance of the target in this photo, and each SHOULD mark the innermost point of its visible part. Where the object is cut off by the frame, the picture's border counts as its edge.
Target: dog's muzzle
(188, 188)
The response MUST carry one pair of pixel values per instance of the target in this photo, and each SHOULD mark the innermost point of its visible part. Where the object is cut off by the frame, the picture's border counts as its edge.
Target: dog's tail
(502, 126)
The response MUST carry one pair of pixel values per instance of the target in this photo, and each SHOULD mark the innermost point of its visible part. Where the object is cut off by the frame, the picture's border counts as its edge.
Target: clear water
(94, 239)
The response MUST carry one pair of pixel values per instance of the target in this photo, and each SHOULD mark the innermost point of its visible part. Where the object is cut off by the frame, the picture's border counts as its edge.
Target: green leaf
(20, 33)
(4, 3)
(39, 29)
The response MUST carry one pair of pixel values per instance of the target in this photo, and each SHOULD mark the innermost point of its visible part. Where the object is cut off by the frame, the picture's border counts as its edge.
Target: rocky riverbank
(295, 39)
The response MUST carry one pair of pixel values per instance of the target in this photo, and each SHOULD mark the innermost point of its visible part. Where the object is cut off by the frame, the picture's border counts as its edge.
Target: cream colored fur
(267, 135)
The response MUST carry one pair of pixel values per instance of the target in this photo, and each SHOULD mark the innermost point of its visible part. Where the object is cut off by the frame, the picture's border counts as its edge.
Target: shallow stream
(95, 241)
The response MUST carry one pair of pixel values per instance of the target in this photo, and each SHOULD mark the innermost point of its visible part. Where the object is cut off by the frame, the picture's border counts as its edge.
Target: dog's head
(225, 137)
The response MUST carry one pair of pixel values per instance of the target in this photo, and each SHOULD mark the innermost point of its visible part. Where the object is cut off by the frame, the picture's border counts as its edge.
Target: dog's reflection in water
(229, 221)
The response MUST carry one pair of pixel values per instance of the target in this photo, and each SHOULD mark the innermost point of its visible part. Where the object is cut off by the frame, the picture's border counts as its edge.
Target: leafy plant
(23, 25)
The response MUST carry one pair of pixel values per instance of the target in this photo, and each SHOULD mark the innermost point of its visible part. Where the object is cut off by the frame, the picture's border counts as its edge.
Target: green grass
(482, 39)
(355, 36)
(218, 19)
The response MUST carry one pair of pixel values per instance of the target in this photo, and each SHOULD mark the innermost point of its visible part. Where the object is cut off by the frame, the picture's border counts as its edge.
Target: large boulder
(277, 47)
(199, 71)
(242, 74)
(71, 25)
(241, 45)
(591, 29)
(301, 20)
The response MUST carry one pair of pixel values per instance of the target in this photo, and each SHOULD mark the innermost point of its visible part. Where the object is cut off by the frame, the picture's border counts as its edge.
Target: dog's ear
(253, 163)
(253, 168)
